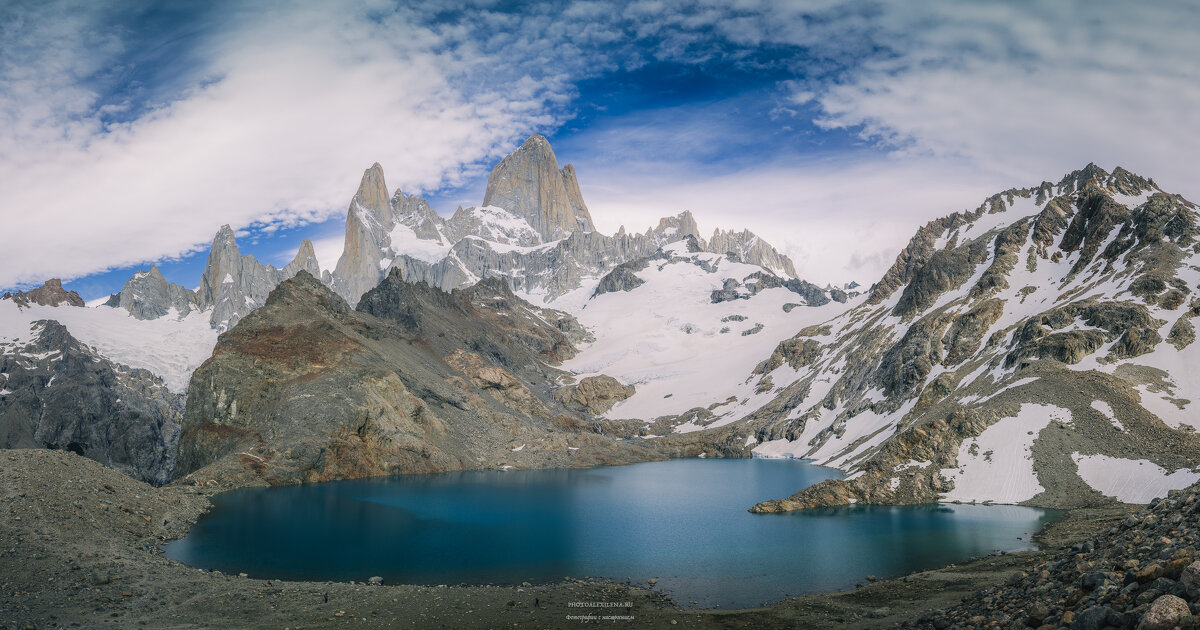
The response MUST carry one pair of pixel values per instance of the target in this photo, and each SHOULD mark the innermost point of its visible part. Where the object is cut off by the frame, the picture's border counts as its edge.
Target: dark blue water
(682, 521)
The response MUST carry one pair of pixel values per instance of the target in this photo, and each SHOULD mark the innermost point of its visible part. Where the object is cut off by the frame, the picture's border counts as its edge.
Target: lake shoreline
(81, 545)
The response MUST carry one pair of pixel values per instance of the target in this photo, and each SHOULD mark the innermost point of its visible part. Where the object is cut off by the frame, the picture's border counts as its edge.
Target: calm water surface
(682, 521)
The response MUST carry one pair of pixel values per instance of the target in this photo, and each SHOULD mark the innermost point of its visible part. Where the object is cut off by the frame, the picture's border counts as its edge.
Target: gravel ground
(80, 547)
(1141, 572)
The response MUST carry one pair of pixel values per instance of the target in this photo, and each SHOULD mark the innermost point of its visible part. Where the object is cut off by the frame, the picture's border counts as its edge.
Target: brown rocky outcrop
(416, 380)
(594, 394)
(51, 293)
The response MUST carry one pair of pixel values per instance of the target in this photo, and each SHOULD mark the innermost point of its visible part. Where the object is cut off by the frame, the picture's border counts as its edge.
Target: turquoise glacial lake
(682, 521)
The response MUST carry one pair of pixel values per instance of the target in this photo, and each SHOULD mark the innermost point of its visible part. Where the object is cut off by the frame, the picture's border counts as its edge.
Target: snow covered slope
(1007, 351)
(170, 347)
(677, 345)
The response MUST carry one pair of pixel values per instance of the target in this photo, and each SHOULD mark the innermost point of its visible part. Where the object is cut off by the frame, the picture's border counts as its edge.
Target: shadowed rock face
(623, 277)
(416, 380)
(58, 393)
(49, 294)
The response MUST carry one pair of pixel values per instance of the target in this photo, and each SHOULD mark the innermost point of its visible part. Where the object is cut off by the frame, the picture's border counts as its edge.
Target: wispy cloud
(292, 106)
(116, 148)
(838, 220)
(1031, 89)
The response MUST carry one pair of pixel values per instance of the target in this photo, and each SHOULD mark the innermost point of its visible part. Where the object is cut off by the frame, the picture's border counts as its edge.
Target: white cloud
(328, 251)
(838, 221)
(295, 105)
(1032, 89)
(954, 100)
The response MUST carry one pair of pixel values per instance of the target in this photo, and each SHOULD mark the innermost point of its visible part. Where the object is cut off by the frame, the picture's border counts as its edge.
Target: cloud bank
(118, 147)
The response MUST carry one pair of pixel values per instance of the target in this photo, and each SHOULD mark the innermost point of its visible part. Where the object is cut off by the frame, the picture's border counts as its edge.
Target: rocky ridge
(415, 380)
(533, 228)
(1029, 351)
(58, 393)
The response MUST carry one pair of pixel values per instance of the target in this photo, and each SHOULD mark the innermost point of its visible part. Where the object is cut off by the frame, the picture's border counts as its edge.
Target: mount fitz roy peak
(535, 235)
(534, 228)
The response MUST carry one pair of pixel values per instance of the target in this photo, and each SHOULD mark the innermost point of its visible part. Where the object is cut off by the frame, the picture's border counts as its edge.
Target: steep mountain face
(1035, 350)
(528, 184)
(49, 294)
(56, 392)
(416, 380)
(233, 284)
(148, 295)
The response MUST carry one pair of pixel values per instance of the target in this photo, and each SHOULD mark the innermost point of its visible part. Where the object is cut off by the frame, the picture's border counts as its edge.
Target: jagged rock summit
(233, 284)
(49, 294)
(148, 295)
(529, 184)
(533, 228)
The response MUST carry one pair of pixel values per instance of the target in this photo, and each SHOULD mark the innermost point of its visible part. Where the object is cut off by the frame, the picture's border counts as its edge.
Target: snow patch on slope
(666, 336)
(1106, 410)
(406, 242)
(998, 464)
(170, 348)
(1131, 480)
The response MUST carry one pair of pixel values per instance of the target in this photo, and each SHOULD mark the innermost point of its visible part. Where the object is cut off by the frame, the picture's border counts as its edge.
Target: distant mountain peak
(373, 193)
(529, 184)
(49, 294)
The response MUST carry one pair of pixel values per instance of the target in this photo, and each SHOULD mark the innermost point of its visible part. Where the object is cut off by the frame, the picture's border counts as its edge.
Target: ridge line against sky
(129, 132)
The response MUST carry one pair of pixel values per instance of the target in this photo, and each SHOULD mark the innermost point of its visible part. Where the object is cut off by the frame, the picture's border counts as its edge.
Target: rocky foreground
(1143, 573)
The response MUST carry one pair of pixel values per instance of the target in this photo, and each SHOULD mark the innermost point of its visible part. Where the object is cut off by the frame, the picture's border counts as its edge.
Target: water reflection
(684, 522)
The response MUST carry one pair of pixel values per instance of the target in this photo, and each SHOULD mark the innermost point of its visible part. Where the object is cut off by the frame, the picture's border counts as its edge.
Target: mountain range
(1033, 350)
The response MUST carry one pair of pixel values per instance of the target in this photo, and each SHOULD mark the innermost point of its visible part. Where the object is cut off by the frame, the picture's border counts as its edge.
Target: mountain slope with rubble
(1034, 350)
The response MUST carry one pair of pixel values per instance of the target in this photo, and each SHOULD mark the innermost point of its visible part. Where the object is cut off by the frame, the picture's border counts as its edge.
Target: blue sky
(129, 132)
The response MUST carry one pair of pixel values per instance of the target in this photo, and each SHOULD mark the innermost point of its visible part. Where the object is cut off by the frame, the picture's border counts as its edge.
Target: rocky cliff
(529, 184)
(233, 284)
(56, 392)
(416, 380)
(147, 295)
